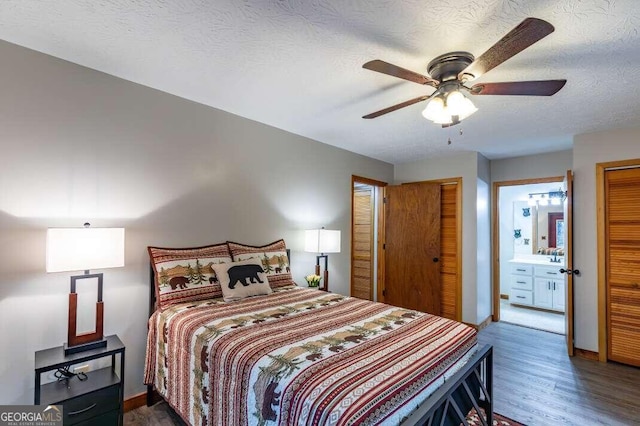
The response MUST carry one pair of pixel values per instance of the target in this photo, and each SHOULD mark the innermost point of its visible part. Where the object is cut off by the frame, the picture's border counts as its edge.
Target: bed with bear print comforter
(300, 356)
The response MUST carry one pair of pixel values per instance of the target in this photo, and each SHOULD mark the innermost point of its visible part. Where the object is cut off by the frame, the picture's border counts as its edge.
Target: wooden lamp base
(85, 341)
(326, 272)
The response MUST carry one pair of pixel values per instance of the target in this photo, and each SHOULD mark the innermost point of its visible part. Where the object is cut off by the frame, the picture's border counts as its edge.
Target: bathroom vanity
(538, 282)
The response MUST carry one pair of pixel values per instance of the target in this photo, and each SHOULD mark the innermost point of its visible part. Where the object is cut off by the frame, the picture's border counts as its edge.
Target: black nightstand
(95, 401)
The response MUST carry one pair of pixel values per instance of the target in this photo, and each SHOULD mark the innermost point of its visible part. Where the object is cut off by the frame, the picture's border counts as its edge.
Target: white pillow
(242, 279)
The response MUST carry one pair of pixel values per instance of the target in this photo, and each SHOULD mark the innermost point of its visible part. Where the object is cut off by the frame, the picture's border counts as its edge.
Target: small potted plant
(313, 280)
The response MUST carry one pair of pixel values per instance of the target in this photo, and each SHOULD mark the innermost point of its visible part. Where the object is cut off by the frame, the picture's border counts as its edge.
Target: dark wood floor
(536, 383)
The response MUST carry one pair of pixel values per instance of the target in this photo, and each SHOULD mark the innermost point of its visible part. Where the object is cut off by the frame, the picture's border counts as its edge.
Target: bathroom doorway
(529, 252)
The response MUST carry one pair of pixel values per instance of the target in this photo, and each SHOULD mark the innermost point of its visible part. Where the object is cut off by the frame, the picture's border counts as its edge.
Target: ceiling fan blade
(396, 71)
(395, 107)
(526, 88)
(524, 35)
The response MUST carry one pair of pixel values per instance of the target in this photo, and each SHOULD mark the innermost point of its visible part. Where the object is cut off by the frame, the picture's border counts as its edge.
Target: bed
(303, 356)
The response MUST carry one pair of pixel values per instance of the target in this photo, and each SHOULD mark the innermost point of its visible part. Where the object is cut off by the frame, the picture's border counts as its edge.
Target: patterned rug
(498, 420)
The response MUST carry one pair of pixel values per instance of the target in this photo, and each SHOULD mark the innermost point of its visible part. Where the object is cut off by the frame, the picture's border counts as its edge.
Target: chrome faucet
(555, 259)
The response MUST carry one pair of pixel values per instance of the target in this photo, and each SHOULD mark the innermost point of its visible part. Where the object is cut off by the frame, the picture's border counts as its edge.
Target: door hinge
(384, 292)
(384, 246)
(384, 200)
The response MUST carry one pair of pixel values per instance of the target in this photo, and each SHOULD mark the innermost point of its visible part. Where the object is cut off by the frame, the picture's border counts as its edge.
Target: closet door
(412, 246)
(362, 261)
(622, 223)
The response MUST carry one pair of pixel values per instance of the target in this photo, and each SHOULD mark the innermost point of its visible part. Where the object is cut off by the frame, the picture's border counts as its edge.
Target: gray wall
(483, 240)
(531, 166)
(79, 145)
(588, 150)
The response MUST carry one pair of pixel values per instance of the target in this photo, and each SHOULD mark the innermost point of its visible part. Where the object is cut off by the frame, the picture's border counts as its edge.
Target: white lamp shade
(79, 249)
(322, 241)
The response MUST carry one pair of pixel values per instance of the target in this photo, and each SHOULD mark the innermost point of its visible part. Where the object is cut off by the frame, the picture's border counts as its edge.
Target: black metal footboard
(471, 387)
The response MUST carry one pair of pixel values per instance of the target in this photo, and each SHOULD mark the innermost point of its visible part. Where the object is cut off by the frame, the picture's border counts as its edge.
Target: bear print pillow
(242, 279)
(186, 274)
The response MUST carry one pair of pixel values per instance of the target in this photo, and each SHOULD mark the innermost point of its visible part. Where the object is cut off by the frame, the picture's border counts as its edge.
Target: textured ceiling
(297, 64)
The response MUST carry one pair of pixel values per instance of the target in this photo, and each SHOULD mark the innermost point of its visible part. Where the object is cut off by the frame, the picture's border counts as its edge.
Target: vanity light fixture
(544, 198)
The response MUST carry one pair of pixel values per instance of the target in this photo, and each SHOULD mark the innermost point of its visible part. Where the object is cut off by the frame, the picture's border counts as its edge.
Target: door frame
(495, 233)
(601, 168)
(379, 260)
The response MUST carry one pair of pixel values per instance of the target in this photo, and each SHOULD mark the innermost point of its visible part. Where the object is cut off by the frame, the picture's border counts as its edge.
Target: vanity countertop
(538, 260)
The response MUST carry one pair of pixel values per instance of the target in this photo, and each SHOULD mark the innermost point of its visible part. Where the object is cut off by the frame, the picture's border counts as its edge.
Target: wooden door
(568, 261)
(412, 246)
(622, 245)
(362, 246)
(451, 249)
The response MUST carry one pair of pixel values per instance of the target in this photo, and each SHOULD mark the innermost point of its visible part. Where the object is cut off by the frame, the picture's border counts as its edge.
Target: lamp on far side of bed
(82, 249)
(322, 241)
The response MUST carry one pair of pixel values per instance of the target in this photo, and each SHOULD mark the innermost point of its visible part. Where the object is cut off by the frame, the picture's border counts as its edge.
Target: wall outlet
(81, 369)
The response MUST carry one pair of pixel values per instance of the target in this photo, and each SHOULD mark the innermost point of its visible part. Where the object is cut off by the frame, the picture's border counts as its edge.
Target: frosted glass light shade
(441, 112)
(434, 109)
(322, 241)
(459, 105)
(79, 249)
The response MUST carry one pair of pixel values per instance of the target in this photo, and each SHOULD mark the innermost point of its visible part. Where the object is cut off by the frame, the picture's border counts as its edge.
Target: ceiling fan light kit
(448, 106)
(450, 73)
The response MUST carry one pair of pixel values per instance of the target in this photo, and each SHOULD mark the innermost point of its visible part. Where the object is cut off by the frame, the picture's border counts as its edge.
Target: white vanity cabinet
(521, 291)
(539, 285)
(549, 288)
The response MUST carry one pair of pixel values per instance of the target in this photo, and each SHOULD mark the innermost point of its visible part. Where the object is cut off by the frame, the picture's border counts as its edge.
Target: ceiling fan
(450, 74)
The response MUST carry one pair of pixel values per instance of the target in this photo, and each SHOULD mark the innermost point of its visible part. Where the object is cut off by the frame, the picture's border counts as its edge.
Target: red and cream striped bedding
(300, 356)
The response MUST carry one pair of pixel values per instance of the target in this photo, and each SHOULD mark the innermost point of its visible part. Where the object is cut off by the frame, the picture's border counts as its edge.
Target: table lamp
(322, 241)
(83, 249)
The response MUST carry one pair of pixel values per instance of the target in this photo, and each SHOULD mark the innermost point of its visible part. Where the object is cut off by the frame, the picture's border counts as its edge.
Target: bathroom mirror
(537, 228)
(548, 220)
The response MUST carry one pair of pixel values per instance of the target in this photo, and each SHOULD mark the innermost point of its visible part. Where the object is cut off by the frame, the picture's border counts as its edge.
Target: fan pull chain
(449, 140)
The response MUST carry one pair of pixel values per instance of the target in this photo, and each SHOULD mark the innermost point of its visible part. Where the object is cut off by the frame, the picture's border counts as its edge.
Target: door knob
(435, 259)
(570, 271)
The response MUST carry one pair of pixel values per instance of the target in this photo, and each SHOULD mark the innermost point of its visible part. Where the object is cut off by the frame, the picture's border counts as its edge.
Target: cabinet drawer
(91, 405)
(521, 297)
(521, 282)
(521, 269)
(548, 271)
(109, 418)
